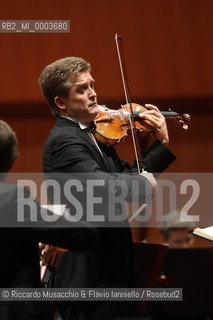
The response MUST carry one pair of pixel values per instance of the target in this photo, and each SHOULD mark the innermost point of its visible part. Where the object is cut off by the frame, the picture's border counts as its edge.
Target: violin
(112, 126)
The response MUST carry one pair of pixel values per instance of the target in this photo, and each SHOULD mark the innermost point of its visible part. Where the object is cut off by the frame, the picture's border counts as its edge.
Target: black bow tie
(92, 126)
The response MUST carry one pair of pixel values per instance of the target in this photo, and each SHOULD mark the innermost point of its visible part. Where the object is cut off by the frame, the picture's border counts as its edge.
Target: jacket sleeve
(71, 158)
(155, 160)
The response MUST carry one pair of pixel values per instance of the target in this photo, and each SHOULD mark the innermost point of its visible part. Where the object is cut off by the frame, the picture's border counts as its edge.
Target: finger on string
(151, 106)
(151, 112)
(153, 118)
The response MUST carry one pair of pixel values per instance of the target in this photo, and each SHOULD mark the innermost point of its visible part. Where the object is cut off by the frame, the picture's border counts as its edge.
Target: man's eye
(82, 89)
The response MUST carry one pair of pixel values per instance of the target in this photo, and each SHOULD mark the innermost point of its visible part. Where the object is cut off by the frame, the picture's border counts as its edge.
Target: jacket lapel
(61, 121)
(101, 159)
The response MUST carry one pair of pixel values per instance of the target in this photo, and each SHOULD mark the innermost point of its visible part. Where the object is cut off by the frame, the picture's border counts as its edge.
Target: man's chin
(94, 112)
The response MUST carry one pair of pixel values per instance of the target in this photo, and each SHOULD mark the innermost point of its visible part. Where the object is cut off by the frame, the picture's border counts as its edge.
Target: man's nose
(92, 93)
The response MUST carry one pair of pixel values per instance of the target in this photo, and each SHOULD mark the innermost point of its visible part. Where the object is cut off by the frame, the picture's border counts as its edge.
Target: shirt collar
(81, 125)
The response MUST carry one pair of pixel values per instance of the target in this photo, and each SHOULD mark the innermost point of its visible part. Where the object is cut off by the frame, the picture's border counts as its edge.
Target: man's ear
(59, 101)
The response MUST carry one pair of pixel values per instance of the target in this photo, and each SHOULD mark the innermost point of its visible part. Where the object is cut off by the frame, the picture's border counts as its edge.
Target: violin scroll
(180, 119)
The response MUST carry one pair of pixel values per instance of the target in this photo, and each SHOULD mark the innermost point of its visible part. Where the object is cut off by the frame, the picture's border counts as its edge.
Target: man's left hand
(157, 120)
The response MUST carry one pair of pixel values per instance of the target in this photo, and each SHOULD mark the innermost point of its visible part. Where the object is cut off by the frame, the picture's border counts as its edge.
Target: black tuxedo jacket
(19, 267)
(69, 149)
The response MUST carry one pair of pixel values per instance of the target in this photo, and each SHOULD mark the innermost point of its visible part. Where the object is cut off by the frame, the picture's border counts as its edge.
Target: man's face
(180, 239)
(81, 102)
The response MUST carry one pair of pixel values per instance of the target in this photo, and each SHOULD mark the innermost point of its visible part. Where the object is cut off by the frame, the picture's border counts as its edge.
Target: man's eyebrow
(83, 83)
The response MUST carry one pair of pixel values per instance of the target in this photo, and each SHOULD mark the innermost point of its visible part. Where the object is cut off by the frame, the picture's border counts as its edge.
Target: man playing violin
(68, 87)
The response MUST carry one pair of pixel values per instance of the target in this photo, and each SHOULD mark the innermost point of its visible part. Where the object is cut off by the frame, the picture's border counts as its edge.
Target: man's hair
(54, 79)
(166, 232)
(175, 224)
(8, 146)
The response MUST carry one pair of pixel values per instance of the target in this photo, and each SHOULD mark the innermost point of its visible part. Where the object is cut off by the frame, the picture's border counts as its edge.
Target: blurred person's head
(8, 147)
(176, 232)
(178, 237)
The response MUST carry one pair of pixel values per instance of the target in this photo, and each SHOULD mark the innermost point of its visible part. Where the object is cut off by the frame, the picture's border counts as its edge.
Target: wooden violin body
(113, 125)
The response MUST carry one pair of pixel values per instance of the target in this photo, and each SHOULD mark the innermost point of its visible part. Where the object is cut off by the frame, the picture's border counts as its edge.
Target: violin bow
(119, 47)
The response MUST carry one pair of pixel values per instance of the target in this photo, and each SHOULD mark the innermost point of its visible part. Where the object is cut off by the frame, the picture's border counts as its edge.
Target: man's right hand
(149, 176)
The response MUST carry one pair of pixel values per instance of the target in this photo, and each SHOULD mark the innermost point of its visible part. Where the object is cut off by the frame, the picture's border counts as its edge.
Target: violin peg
(185, 126)
(186, 117)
